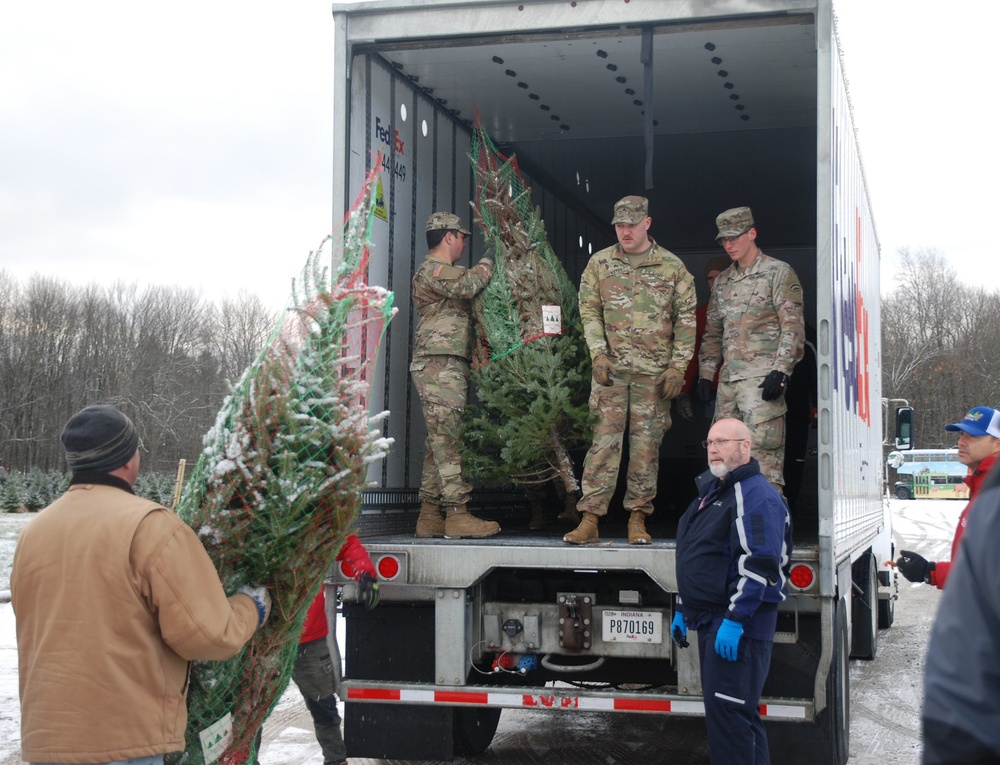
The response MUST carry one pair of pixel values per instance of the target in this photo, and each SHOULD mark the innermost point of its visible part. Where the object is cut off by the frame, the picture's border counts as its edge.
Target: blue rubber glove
(727, 640)
(679, 630)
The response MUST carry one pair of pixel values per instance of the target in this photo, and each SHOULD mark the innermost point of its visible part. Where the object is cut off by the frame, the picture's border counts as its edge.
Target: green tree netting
(532, 377)
(280, 478)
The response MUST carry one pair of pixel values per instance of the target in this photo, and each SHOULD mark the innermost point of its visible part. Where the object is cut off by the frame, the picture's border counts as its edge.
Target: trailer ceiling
(734, 104)
(706, 78)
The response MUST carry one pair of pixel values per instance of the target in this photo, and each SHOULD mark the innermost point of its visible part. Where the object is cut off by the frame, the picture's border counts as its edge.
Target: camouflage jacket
(754, 322)
(642, 318)
(442, 296)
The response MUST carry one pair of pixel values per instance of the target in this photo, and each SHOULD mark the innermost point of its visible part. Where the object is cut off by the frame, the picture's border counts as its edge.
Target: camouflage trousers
(442, 384)
(648, 417)
(766, 419)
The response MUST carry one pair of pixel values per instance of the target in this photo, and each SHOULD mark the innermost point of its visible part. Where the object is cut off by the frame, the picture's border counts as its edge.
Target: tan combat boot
(429, 522)
(570, 515)
(585, 533)
(637, 534)
(459, 523)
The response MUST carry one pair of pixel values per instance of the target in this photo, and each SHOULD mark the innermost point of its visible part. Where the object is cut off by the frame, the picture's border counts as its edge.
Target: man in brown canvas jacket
(114, 595)
(442, 298)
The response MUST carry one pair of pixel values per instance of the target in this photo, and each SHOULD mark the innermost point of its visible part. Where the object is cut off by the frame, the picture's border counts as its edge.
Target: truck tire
(474, 729)
(836, 718)
(825, 741)
(903, 493)
(864, 608)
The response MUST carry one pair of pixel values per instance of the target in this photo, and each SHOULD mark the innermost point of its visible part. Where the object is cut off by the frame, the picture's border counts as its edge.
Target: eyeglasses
(724, 240)
(719, 442)
(459, 234)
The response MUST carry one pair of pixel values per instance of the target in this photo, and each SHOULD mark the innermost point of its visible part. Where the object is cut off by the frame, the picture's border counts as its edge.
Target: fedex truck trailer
(700, 107)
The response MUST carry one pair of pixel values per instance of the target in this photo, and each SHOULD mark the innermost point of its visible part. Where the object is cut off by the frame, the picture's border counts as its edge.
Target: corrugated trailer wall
(855, 352)
(425, 168)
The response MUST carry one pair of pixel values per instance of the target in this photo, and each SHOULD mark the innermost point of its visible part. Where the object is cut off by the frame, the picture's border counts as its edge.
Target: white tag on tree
(551, 319)
(216, 738)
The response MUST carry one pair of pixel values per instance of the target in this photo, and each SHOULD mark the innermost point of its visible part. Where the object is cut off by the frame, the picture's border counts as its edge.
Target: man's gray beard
(718, 470)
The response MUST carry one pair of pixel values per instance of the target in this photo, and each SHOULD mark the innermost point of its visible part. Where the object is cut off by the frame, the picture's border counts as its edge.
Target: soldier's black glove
(774, 385)
(368, 591)
(914, 567)
(684, 408)
(704, 391)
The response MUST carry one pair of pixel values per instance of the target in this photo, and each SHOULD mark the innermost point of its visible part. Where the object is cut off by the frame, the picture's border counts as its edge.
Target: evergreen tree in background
(530, 364)
(11, 493)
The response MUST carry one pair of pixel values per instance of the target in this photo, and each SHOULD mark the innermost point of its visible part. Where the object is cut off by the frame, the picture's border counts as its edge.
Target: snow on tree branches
(281, 475)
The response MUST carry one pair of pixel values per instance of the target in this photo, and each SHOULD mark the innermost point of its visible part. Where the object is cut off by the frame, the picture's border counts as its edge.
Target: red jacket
(691, 375)
(973, 480)
(358, 562)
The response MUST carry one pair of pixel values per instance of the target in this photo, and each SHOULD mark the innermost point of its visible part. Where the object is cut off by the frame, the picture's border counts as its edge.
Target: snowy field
(884, 728)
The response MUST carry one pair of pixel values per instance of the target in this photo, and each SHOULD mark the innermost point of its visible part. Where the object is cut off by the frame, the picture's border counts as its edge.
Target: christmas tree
(530, 364)
(280, 479)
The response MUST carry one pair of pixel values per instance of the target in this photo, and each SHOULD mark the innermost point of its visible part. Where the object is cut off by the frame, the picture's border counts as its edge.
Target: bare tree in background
(938, 344)
(242, 326)
(163, 355)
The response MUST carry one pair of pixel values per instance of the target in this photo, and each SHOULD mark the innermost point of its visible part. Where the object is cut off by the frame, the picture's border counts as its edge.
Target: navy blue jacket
(733, 548)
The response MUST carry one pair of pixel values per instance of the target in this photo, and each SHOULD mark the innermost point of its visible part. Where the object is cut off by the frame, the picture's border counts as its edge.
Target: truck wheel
(826, 740)
(474, 729)
(903, 493)
(864, 608)
(836, 718)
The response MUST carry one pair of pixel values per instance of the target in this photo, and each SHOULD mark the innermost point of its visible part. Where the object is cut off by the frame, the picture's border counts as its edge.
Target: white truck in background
(700, 107)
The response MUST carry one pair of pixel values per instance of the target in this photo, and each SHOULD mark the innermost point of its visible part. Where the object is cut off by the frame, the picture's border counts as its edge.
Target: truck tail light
(388, 567)
(802, 576)
(347, 570)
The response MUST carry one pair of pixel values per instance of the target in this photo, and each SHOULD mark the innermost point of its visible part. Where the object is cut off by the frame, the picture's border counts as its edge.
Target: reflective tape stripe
(546, 701)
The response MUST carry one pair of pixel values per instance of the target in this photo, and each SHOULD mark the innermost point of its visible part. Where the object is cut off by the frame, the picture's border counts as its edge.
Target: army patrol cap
(446, 221)
(734, 222)
(631, 210)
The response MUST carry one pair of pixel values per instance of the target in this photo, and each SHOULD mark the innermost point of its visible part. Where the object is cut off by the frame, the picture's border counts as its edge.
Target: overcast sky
(189, 143)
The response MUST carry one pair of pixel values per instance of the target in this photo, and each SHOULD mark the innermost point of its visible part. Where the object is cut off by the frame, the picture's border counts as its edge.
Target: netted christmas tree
(280, 479)
(530, 364)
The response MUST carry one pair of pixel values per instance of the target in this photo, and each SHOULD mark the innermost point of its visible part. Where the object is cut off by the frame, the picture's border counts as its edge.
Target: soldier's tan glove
(669, 383)
(602, 370)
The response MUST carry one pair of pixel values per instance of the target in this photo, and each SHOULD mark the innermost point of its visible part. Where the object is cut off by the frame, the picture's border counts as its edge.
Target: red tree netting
(281, 475)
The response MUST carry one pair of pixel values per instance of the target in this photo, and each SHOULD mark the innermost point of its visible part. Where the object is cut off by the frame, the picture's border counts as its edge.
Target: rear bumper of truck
(568, 699)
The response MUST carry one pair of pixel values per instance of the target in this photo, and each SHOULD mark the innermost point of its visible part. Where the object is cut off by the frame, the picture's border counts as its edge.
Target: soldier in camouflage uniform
(756, 331)
(442, 295)
(637, 303)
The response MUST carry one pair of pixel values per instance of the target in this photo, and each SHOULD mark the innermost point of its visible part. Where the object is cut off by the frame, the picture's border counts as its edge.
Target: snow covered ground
(885, 693)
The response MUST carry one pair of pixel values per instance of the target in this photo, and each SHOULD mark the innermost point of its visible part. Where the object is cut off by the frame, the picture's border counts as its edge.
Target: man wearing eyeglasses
(754, 337)
(734, 544)
(979, 448)
(442, 349)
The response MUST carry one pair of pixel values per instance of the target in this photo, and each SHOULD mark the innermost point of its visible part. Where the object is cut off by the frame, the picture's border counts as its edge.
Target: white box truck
(700, 106)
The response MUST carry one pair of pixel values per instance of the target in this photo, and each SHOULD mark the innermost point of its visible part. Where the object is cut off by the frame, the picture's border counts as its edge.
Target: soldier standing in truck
(637, 303)
(442, 295)
(755, 330)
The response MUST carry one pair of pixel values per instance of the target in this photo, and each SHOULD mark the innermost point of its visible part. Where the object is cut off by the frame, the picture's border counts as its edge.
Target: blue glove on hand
(727, 640)
(679, 630)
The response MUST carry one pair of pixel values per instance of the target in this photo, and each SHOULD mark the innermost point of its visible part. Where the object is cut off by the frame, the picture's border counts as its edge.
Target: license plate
(632, 627)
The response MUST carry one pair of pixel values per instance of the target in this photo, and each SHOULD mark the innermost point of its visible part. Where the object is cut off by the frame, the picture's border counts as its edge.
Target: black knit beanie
(99, 438)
